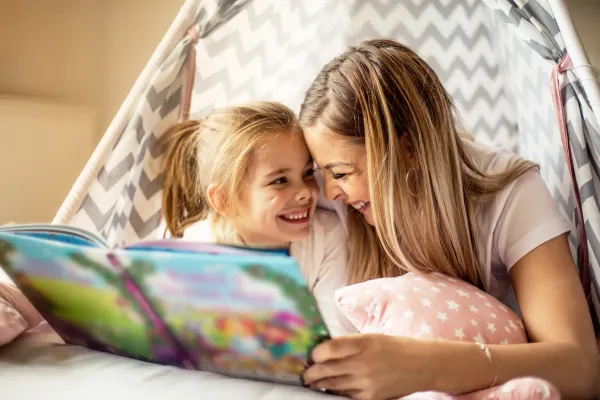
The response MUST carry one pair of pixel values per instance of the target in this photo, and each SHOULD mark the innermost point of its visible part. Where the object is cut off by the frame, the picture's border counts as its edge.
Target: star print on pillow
(435, 307)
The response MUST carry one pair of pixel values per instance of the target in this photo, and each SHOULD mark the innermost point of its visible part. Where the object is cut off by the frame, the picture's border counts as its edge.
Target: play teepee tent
(515, 68)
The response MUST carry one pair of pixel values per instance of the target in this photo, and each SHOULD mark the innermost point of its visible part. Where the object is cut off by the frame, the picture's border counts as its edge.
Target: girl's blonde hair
(383, 95)
(217, 150)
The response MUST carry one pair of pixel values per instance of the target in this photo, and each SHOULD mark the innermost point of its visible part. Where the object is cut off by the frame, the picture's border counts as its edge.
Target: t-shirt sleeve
(529, 218)
(332, 275)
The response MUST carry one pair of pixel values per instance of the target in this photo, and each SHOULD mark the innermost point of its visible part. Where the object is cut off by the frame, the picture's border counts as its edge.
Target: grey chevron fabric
(527, 83)
(273, 49)
(270, 50)
(495, 61)
(455, 38)
(529, 65)
(123, 203)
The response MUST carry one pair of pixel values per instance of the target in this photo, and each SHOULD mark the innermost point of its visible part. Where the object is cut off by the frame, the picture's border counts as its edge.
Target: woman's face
(344, 165)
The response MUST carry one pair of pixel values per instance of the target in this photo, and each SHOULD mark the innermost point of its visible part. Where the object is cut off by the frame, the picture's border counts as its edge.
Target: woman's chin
(368, 216)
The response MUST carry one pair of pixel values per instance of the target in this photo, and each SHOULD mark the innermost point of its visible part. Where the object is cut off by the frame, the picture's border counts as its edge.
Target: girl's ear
(215, 197)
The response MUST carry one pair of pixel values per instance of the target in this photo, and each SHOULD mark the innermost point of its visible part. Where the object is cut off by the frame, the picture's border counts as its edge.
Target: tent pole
(581, 64)
(175, 33)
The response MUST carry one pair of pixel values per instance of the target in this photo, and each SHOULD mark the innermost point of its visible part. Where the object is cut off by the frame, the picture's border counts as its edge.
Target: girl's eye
(279, 181)
(339, 176)
(309, 173)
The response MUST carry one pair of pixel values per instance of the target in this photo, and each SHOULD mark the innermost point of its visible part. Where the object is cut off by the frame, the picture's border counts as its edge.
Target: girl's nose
(304, 194)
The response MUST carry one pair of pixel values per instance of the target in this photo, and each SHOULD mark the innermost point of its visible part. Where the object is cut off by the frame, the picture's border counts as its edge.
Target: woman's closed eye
(338, 176)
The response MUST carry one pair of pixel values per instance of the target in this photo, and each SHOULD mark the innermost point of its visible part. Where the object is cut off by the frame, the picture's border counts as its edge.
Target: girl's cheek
(314, 188)
(274, 200)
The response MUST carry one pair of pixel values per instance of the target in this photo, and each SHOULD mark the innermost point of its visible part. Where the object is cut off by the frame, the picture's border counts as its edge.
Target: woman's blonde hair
(217, 150)
(383, 95)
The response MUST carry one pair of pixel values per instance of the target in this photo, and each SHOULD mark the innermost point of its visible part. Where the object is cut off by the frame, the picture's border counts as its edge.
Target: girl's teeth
(297, 215)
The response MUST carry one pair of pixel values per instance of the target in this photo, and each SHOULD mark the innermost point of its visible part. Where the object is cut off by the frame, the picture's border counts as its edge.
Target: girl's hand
(370, 366)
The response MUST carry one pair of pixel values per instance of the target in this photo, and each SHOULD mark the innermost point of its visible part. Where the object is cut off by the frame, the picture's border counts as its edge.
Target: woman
(423, 198)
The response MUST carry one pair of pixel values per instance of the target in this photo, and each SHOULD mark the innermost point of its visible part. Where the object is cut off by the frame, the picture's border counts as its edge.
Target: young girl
(245, 176)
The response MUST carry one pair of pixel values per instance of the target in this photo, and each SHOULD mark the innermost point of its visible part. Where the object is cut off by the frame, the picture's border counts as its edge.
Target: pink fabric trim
(186, 102)
(526, 388)
(584, 266)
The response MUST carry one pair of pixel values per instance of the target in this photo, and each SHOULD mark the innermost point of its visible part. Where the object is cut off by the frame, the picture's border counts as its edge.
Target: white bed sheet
(39, 366)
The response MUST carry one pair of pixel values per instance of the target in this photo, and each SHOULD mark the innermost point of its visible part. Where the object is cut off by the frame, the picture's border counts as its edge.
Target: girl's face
(344, 165)
(279, 194)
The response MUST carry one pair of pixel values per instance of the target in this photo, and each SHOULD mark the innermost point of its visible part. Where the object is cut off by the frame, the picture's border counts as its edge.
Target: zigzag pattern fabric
(272, 49)
(532, 59)
(455, 38)
(123, 203)
(527, 81)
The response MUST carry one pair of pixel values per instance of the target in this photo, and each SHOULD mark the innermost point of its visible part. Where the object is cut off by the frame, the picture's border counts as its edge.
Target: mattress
(40, 366)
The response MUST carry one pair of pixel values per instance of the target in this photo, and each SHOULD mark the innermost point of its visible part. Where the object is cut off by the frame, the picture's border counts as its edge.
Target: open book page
(240, 312)
(61, 233)
(81, 237)
(83, 297)
(176, 245)
(247, 316)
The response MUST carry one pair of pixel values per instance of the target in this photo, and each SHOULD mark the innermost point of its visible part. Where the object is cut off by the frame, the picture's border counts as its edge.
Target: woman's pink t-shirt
(515, 221)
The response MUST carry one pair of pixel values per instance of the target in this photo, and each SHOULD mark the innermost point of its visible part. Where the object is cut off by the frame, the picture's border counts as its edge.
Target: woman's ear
(215, 197)
(407, 144)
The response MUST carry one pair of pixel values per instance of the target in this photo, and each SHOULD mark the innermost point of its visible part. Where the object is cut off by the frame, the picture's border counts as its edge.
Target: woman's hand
(564, 351)
(371, 366)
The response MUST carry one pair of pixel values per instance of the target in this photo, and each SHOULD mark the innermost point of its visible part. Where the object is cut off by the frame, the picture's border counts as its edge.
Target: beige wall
(585, 15)
(65, 68)
(51, 49)
(48, 145)
(132, 30)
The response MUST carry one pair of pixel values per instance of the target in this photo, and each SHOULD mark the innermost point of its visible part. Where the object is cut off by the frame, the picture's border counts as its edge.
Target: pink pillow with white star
(435, 307)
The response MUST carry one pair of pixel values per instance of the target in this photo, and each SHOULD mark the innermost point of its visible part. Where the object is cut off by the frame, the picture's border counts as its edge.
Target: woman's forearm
(464, 367)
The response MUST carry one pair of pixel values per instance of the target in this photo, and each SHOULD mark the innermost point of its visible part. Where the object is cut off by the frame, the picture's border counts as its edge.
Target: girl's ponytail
(217, 150)
(183, 201)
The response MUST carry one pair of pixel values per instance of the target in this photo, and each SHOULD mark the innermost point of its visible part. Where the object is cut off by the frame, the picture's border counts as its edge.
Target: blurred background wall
(65, 68)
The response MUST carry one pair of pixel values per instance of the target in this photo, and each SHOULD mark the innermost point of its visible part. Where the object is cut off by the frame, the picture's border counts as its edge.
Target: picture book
(236, 311)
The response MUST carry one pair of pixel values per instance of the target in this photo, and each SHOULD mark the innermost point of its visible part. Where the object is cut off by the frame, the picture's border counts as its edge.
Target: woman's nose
(333, 192)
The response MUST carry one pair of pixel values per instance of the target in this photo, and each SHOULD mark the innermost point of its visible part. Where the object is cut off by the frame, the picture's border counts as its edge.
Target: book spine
(150, 312)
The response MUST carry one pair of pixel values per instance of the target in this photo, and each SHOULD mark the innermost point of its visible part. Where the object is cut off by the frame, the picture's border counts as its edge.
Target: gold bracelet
(488, 354)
